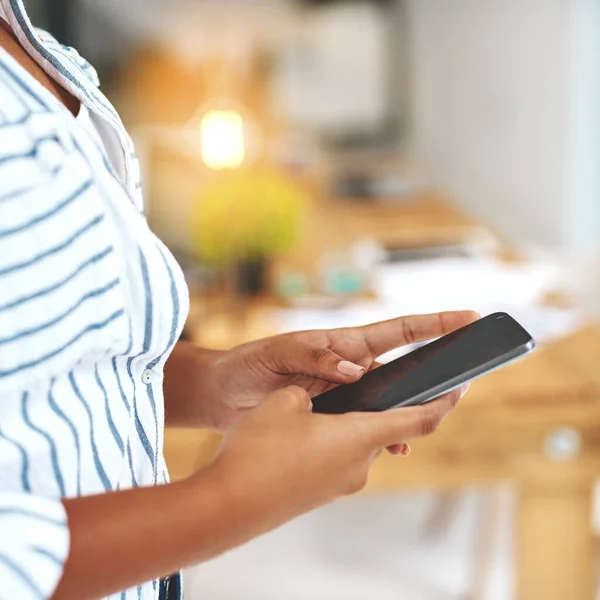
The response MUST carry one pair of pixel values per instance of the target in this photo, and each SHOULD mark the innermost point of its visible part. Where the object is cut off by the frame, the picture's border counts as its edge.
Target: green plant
(250, 214)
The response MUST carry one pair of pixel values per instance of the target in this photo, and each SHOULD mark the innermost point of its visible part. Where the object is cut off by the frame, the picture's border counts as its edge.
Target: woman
(91, 306)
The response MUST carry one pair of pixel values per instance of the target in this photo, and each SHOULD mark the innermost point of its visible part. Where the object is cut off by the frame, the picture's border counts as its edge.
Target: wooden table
(535, 424)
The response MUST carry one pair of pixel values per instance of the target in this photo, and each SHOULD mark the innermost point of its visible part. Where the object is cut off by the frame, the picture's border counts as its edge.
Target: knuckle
(430, 421)
(296, 392)
(293, 397)
(317, 354)
(273, 350)
(407, 330)
(443, 319)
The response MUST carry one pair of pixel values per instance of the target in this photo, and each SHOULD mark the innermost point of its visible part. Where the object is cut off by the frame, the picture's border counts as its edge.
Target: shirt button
(147, 376)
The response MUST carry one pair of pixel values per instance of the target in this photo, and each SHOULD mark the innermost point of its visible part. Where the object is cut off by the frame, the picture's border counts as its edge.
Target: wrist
(188, 387)
(209, 388)
(228, 511)
(254, 496)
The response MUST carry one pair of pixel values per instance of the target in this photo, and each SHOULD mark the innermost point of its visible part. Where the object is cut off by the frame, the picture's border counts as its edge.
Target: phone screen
(433, 369)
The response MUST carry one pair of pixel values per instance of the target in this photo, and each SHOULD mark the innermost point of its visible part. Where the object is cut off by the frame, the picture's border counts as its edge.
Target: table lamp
(224, 135)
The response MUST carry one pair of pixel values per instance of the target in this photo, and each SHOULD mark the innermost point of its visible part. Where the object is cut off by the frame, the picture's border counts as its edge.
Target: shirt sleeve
(34, 545)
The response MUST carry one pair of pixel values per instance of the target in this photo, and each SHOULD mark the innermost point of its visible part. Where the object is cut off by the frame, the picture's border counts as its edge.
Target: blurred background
(330, 163)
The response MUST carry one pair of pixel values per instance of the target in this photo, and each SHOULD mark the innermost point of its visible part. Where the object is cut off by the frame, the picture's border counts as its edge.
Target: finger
(293, 399)
(388, 335)
(412, 422)
(402, 449)
(292, 357)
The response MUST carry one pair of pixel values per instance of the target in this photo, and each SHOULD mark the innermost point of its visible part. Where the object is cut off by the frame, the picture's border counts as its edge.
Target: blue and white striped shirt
(91, 305)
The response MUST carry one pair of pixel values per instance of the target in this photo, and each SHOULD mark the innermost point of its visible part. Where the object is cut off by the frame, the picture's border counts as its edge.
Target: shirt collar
(56, 61)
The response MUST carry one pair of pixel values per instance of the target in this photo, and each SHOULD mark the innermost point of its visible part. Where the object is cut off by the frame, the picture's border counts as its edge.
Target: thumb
(294, 357)
(401, 424)
(290, 399)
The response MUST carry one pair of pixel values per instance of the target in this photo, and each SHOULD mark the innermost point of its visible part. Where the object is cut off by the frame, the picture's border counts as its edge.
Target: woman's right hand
(282, 460)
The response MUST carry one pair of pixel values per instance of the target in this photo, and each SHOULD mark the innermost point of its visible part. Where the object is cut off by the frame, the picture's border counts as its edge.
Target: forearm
(122, 539)
(187, 386)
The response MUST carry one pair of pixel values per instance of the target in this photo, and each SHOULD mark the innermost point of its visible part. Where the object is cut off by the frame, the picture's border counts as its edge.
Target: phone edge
(466, 377)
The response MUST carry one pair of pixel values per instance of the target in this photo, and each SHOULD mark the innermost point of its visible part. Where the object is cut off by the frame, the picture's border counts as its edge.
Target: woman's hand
(278, 462)
(238, 380)
(282, 460)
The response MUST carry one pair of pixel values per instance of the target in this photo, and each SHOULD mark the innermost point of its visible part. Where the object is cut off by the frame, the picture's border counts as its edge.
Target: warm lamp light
(223, 144)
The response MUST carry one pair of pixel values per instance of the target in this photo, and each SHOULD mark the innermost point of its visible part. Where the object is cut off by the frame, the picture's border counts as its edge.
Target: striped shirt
(91, 305)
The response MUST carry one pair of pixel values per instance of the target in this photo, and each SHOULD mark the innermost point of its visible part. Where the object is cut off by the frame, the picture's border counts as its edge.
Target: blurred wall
(504, 105)
(37, 10)
(583, 166)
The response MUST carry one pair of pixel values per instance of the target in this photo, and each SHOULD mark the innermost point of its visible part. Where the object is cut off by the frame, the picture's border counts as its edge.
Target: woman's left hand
(315, 360)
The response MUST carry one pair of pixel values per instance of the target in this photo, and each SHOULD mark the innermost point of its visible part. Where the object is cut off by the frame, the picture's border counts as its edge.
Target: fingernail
(348, 368)
(405, 450)
(464, 389)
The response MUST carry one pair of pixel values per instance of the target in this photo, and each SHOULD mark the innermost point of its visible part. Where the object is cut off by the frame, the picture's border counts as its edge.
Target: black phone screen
(433, 369)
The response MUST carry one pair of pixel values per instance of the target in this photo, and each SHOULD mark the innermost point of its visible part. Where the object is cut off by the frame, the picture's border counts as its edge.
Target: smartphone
(433, 369)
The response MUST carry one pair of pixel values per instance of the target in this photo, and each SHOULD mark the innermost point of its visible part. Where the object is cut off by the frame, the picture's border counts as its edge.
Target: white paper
(419, 287)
